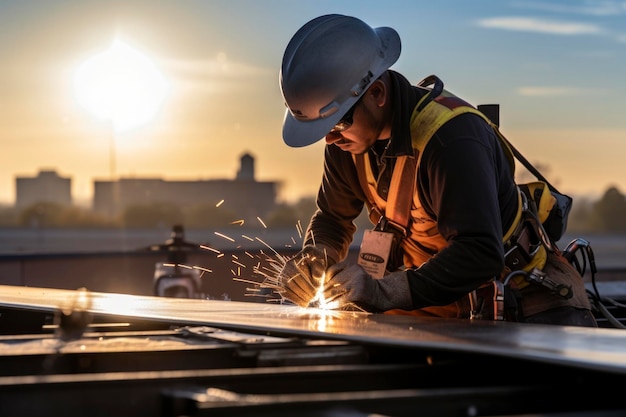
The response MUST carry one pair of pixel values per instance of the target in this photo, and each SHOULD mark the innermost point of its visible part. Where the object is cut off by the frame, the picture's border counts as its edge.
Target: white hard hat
(326, 67)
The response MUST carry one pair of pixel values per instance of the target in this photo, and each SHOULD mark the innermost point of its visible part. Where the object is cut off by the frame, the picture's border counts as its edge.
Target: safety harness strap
(433, 110)
(398, 205)
(436, 113)
(436, 108)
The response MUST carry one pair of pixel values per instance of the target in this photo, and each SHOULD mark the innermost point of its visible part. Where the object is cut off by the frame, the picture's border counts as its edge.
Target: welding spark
(266, 273)
(209, 248)
(299, 229)
(274, 270)
(269, 247)
(202, 269)
(178, 265)
(224, 236)
(320, 301)
(219, 203)
(247, 281)
(238, 263)
(239, 222)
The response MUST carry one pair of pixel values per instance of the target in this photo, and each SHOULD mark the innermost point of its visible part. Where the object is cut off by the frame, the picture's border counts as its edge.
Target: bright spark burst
(264, 280)
(320, 300)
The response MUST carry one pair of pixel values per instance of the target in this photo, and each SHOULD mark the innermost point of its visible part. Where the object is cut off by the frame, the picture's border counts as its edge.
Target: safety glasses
(346, 120)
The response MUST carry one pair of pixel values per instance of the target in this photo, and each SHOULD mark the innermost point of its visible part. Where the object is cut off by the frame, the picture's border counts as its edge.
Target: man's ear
(378, 92)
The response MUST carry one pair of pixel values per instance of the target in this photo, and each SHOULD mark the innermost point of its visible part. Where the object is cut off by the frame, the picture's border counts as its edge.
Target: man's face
(367, 123)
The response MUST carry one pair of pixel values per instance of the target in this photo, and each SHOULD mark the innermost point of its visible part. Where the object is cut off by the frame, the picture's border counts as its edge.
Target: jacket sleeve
(468, 188)
(340, 200)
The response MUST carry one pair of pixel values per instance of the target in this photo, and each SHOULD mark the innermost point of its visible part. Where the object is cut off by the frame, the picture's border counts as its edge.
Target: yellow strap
(425, 122)
(538, 261)
(546, 200)
(516, 220)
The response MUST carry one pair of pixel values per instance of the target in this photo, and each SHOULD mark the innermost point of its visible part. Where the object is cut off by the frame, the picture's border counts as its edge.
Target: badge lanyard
(376, 245)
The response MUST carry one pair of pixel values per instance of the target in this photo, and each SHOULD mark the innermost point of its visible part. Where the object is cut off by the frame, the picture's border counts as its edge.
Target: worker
(448, 259)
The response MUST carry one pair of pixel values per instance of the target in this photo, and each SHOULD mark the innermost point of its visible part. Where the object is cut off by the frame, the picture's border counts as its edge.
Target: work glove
(349, 285)
(303, 275)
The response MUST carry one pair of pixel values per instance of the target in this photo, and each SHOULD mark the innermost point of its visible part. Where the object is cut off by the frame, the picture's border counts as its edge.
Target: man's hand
(348, 283)
(302, 275)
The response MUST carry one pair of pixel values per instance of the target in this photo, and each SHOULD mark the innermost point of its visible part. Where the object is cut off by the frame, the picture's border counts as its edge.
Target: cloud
(588, 8)
(218, 73)
(530, 24)
(219, 66)
(531, 91)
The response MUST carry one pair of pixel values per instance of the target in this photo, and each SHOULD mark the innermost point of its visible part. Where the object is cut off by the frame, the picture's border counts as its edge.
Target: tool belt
(527, 248)
(487, 302)
(525, 256)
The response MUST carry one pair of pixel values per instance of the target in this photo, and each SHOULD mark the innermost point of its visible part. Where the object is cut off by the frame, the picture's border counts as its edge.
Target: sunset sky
(557, 69)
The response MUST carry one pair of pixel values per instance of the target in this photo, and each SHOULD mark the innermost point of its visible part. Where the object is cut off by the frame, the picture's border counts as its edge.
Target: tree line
(605, 215)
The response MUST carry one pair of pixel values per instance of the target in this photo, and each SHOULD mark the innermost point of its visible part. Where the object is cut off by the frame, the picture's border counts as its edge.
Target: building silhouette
(246, 197)
(47, 186)
(246, 168)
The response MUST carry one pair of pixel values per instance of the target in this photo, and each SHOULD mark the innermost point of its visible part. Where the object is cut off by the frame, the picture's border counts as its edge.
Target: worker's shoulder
(466, 128)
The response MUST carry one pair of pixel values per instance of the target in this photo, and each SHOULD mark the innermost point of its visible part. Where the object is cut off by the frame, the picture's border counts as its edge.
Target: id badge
(374, 252)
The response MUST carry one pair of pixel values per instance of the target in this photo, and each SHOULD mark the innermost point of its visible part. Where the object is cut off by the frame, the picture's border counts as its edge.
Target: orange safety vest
(405, 209)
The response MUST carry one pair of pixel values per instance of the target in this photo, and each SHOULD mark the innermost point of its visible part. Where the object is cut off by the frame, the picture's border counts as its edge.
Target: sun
(121, 85)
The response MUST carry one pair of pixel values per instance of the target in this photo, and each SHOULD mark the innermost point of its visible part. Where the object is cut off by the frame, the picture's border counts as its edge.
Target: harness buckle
(498, 300)
(388, 225)
(479, 301)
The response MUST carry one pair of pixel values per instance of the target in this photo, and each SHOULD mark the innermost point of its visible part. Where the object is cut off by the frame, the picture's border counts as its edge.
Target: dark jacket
(465, 184)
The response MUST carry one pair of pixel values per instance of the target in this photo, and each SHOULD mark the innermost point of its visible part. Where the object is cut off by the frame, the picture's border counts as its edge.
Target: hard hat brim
(299, 133)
